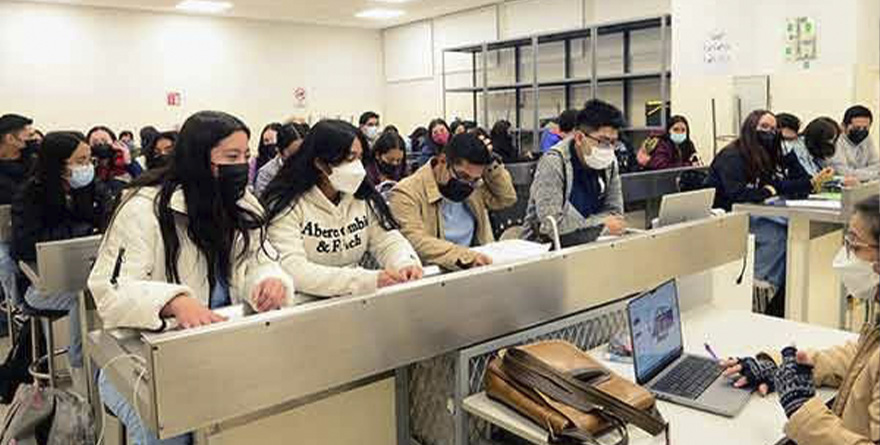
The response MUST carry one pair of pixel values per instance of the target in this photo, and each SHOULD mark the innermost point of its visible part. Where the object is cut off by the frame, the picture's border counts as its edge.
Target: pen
(711, 352)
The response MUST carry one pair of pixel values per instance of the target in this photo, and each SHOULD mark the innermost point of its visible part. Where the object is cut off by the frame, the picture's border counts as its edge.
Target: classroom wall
(72, 67)
(415, 98)
(755, 30)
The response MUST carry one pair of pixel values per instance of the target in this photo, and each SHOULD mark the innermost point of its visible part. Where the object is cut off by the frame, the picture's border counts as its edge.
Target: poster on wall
(717, 49)
(800, 40)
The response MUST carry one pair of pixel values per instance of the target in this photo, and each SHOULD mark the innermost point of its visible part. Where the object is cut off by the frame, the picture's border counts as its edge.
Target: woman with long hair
(289, 139)
(185, 240)
(437, 138)
(62, 200)
(266, 151)
(325, 216)
(674, 149)
(753, 169)
(387, 165)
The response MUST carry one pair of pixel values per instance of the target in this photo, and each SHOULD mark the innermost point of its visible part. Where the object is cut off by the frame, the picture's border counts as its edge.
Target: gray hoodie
(861, 161)
(551, 192)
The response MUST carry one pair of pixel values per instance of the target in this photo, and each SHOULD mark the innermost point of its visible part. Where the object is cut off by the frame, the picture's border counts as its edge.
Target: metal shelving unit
(527, 83)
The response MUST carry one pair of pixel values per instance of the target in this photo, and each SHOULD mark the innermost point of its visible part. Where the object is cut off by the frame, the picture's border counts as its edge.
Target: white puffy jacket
(142, 289)
(322, 244)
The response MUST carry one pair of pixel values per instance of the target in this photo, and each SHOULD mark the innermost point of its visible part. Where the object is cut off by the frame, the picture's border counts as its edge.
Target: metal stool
(37, 317)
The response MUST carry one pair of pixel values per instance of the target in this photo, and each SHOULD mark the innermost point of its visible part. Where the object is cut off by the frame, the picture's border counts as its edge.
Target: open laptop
(687, 206)
(661, 365)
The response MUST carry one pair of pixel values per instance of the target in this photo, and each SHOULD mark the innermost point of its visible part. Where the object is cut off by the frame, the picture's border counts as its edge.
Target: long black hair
(45, 189)
(267, 152)
(686, 149)
(150, 155)
(761, 163)
(211, 224)
(329, 141)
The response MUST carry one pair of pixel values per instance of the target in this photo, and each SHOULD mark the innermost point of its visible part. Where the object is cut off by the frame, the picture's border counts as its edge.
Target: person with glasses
(577, 182)
(443, 208)
(852, 368)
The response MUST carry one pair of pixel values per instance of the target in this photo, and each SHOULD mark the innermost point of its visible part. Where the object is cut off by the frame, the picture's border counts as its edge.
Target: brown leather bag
(570, 394)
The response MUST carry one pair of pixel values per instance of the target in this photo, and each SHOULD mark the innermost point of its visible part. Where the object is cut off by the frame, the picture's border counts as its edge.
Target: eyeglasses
(471, 182)
(603, 141)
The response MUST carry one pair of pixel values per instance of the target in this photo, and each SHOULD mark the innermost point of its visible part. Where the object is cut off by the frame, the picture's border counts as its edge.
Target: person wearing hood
(853, 368)
(577, 182)
(856, 158)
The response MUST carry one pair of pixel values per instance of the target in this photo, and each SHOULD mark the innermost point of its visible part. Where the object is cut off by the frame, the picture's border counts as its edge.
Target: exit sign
(173, 99)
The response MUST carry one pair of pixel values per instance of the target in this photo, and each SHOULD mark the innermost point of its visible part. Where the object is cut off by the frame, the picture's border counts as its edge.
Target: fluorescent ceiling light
(203, 6)
(379, 14)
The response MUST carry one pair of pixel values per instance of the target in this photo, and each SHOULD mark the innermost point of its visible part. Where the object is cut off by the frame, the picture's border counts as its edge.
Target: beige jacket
(415, 203)
(322, 244)
(854, 369)
(142, 290)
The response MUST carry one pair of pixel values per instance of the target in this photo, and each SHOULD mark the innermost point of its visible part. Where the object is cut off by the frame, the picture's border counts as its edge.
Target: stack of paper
(814, 204)
(509, 251)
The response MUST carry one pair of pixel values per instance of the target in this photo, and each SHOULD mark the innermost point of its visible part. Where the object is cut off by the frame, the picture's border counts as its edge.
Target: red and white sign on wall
(299, 97)
(173, 99)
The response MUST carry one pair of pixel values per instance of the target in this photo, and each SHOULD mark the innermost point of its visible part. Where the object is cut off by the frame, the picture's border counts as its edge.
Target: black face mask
(158, 161)
(387, 169)
(822, 150)
(768, 139)
(233, 180)
(103, 151)
(857, 135)
(30, 149)
(456, 190)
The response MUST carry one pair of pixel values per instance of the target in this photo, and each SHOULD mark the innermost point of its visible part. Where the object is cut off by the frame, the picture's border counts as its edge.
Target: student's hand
(771, 189)
(851, 181)
(752, 372)
(388, 277)
(269, 295)
(642, 157)
(190, 313)
(822, 178)
(482, 260)
(794, 380)
(411, 273)
(615, 224)
(123, 149)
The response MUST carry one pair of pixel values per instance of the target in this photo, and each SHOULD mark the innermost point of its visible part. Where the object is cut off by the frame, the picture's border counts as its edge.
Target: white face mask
(857, 275)
(372, 132)
(600, 158)
(347, 178)
(81, 176)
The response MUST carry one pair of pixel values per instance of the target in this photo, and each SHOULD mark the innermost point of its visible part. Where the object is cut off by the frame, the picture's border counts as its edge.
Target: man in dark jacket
(15, 136)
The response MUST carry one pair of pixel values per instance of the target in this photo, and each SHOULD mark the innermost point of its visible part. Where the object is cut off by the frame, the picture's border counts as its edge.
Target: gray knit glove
(759, 370)
(794, 382)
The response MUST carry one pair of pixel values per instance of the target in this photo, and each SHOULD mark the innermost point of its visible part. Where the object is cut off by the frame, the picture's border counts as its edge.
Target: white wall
(756, 31)
(72, 67)
(414, 101)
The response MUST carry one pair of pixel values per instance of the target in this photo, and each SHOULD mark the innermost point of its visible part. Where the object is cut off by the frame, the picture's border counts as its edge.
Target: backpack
(48, 416)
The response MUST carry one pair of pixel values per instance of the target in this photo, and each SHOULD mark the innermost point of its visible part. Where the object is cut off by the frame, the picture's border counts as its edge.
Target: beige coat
(415, 203)
(854, 369)
(142, 289)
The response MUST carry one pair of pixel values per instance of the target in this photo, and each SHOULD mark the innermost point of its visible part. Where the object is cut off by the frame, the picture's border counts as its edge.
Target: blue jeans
(771, 238)
(138, 434)
(66, 301)
(8, 280)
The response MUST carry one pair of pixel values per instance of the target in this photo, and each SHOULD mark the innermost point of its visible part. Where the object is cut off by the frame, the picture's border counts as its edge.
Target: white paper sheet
(814, 204)
(509, 251)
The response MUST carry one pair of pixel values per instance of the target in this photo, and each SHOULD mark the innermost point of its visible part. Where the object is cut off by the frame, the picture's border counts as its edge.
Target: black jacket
(85, 214)
(12, 177)
(728, 175)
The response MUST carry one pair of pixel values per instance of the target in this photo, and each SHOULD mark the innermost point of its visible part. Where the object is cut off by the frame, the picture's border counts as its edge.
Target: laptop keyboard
(689, 378)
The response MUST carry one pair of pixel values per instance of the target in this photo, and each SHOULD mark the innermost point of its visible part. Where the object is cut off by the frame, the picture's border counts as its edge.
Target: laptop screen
(655, 326)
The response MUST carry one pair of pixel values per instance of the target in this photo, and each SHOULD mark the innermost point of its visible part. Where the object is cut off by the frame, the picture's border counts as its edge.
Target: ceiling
(321, 12)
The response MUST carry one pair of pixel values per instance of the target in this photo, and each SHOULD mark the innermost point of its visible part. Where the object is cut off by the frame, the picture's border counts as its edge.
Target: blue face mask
(678, 138)
(81, 176)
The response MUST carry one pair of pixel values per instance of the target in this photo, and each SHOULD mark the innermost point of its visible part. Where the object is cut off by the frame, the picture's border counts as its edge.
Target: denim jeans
(8, 280)
(65, 301)
(771, 238)
(137, 432)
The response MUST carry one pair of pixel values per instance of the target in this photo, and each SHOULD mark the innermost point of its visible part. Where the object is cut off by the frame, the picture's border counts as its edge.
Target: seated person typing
(325, 217)
(578, 181)
(853, 368)
(183, 241)
(62, 200)
(443, 208)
